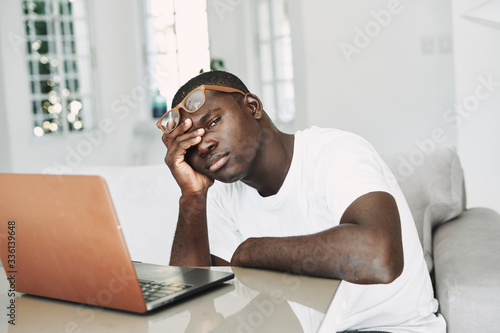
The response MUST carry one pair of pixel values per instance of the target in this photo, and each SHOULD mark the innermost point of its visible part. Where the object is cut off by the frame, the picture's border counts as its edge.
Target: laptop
(60, 238)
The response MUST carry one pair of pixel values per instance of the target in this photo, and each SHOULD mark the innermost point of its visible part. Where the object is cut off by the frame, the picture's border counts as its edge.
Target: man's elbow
(390, 267)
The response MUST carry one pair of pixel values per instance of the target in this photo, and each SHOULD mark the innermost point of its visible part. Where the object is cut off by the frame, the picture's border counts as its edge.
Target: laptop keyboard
(153, 290)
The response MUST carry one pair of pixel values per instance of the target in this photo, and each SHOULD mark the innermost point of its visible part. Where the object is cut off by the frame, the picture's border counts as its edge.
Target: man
(320, 202)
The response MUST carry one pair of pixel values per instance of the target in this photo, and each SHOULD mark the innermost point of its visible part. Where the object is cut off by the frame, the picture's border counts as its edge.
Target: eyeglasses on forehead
(191, 103)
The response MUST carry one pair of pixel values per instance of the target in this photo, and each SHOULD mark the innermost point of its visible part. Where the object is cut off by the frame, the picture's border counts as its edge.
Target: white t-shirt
(330, 169)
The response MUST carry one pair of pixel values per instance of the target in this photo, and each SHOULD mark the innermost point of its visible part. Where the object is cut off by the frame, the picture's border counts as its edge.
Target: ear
(253, 104)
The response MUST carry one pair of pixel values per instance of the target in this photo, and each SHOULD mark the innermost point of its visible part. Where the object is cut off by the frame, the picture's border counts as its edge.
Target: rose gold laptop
(60, 238)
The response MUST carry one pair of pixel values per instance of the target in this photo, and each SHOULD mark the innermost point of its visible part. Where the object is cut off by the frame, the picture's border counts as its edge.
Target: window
(59, 65)
(276, 66)
(176, 46)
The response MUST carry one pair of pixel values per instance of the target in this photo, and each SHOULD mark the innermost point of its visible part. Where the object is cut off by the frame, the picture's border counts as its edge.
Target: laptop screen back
(60, 238)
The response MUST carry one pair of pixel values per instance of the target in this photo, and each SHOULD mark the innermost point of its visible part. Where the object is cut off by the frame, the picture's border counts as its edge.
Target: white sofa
(461, 246)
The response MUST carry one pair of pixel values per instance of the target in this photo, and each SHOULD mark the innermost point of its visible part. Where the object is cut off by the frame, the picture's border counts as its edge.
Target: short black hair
(214, 78)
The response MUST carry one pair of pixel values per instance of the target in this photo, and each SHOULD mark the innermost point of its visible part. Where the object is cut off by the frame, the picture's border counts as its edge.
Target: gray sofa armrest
(467, 271)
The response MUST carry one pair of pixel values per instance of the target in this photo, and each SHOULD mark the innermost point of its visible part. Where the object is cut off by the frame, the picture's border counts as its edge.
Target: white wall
(393, 91)
(229, 27)
(389, 89)
(14, 79)
(120, 88)
(477, 54)
(4, 129)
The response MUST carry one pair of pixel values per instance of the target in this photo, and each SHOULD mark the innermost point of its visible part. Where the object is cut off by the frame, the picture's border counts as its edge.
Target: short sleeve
(223, 234)
(356, 169)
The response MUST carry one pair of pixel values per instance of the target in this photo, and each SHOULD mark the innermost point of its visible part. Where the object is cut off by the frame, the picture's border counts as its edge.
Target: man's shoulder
(317, 142)
(321, 135)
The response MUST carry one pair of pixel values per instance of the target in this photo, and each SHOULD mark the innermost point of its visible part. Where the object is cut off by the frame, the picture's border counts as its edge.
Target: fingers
(182, 128)
(180, 140)
(170, 137)
(184, 142)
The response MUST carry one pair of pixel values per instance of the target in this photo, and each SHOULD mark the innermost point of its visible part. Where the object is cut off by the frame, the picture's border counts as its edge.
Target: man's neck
(271, 166)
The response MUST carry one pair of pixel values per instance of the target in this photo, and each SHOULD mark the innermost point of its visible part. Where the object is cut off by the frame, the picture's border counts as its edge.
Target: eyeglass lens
(193, 102)
(169, 122)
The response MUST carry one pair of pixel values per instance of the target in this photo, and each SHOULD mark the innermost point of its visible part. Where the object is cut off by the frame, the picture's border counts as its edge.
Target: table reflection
(255, 301)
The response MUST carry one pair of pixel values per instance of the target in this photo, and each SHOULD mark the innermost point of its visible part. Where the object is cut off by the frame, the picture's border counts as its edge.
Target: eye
(214, 122)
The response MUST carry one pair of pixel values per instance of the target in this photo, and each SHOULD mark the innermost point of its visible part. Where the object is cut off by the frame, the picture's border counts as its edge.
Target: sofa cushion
(433, 185)
(467, 271)
(146, 200)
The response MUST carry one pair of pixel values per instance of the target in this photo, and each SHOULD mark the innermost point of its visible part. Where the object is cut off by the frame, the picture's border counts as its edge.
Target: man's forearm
(365, 248)
(190, 246)
(325, 254)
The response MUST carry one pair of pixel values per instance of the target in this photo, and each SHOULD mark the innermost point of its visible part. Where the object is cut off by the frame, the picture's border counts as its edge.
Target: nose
(206, 145)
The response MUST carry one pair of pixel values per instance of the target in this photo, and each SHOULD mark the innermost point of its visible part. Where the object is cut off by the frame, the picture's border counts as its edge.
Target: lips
(216, 162)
